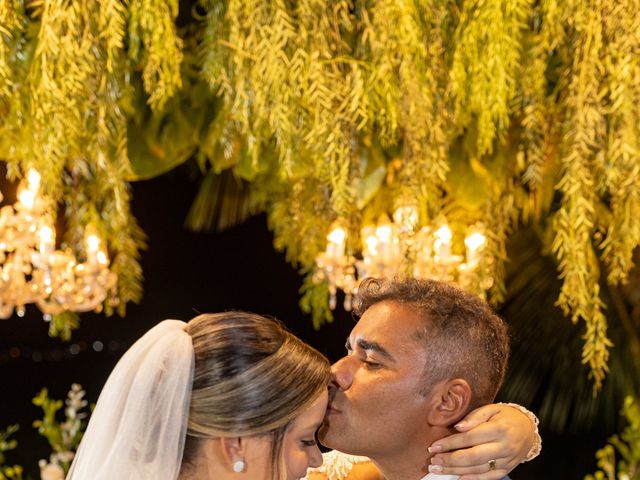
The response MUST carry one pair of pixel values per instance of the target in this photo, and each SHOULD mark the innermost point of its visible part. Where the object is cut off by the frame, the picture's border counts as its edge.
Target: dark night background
(187, 273)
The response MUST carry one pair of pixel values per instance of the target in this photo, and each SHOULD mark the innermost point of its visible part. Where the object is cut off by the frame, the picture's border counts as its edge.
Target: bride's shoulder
(340, 466)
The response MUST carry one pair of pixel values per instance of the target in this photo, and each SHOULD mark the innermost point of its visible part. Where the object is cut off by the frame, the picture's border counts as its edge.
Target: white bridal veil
(138, 428)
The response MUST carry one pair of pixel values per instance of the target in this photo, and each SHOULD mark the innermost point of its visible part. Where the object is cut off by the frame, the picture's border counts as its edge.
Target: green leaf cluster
(66, 115)
(502, 112)
(8, 472)
(63, 437)
(599, 162)
(626, 445)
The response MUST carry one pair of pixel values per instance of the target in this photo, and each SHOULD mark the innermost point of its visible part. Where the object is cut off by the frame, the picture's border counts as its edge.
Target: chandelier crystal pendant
(336, 268)
(33, 271)
(399, 249)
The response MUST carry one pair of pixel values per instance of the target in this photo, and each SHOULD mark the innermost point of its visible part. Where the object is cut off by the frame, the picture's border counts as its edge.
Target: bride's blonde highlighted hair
(252, 377)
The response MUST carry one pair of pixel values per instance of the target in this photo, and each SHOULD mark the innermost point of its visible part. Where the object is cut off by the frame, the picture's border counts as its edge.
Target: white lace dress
(337, 466)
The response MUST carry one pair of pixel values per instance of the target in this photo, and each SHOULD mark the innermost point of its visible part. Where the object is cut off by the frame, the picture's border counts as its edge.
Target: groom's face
(375, 400)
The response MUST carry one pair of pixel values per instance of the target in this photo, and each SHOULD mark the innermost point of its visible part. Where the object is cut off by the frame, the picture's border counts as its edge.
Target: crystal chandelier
(33, 271)
(398, 248)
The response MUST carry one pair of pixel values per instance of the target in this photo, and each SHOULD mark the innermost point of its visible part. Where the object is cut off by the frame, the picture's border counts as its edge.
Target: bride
(226, 396)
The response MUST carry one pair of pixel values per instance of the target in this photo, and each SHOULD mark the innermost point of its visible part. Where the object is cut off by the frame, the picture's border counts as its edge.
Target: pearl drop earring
(239, 466)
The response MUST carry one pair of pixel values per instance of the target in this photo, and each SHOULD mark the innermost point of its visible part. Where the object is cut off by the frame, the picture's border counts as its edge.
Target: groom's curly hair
(462, 336)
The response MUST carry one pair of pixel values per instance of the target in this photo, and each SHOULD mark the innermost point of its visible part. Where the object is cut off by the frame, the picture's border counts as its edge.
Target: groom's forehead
(390, 328)
(392, 317)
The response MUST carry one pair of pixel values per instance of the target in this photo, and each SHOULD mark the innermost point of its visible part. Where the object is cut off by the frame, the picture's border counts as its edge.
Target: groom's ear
(449, 403)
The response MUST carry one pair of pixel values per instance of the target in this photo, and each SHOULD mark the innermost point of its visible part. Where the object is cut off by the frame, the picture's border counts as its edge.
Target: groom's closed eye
(375, 348)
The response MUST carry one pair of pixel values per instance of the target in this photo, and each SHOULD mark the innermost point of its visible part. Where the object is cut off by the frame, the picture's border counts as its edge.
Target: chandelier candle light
(33, 271)
(398, 248)
(337, 268)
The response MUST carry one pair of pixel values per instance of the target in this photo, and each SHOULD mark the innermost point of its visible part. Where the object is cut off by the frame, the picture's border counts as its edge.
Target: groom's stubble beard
(333, 428)
(325, 430)
(337, 430)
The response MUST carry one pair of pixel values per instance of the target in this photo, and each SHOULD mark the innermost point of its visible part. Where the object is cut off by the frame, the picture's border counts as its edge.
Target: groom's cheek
(322, 432)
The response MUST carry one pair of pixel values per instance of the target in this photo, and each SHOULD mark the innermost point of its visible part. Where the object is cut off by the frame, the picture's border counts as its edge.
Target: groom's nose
(342, 373)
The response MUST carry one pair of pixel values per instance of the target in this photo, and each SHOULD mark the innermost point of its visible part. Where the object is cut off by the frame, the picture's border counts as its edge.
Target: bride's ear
(234, 450)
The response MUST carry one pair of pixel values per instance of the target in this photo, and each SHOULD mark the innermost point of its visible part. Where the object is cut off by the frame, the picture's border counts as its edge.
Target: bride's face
(300, 446)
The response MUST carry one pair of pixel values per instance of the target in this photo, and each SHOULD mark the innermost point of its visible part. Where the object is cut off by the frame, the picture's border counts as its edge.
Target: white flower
(75, 401)
(62, 457)
(50, 471)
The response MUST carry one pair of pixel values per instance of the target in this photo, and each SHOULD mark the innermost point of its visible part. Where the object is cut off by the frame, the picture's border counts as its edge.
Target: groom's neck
(411, 461)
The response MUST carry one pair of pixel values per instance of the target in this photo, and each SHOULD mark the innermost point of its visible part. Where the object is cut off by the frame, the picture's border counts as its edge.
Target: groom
(422, 355)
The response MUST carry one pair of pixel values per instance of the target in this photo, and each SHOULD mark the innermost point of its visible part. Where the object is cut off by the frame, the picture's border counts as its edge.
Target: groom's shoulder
(340, 466)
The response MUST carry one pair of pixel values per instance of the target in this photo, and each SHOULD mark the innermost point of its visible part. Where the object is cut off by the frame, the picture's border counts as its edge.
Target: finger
(474, 457)
(476, 460)
(477, 417)
(480, 435)
(484, 471)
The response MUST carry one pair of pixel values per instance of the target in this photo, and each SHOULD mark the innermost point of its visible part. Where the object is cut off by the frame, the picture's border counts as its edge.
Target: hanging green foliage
(67, 117)
(12, 23)
(526, 74)
(316, 111)
(154, 43)
(620, 167)
(626, 445)
(486, 59)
